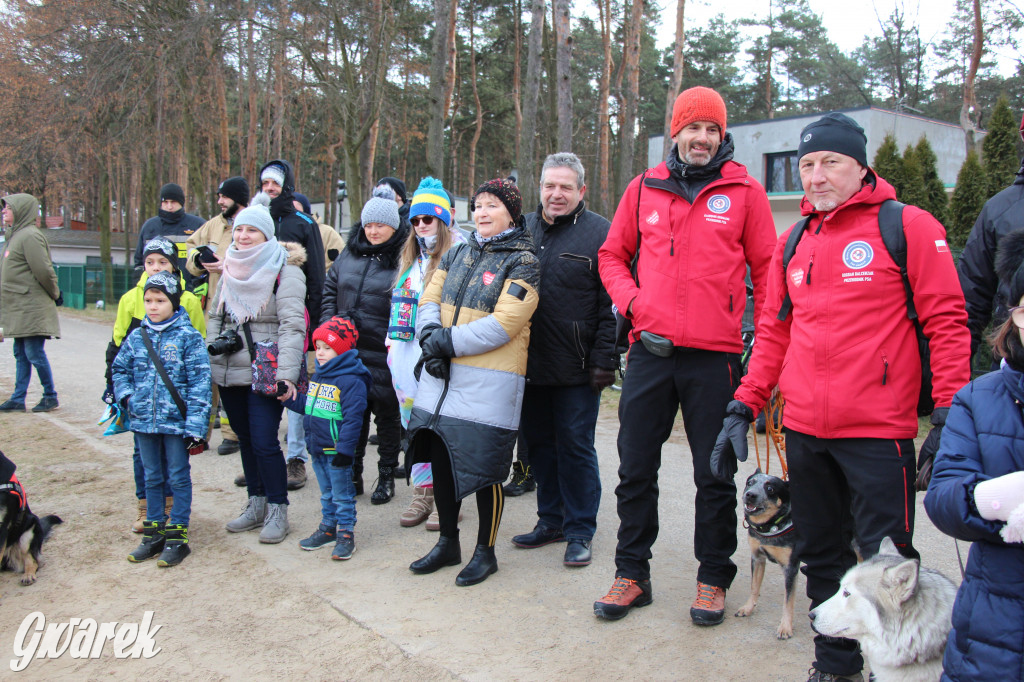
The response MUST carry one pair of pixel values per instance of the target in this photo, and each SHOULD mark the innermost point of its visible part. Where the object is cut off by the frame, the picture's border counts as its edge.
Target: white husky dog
(899, 612)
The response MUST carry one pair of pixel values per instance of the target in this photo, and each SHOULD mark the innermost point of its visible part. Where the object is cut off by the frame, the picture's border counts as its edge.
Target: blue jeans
(29, 353)
(296, 438)
(255, 419)
(337, 493)
(154, 447)
(558, 424)
(140, 473)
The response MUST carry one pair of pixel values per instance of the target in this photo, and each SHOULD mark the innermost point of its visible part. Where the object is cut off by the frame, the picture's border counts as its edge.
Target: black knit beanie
(164, 247)
(835, 132)
(507, 192)
(396, 185)
(235, 188)
(168, 283)
(172, 192)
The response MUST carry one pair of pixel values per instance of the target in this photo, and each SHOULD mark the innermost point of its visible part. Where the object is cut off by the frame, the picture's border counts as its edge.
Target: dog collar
(14, 486)
(781, 524)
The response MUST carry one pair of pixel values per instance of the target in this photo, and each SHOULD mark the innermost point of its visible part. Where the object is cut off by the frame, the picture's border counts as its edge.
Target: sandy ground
(237, 609)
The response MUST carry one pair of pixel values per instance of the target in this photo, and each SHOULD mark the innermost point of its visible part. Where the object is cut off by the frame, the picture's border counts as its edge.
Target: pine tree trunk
(517, 86)
(677, 74)
(605, 203)
(478, 129)
(631, 68)
(534, 43)
(440, 50)
(969, 109)
(563, 50)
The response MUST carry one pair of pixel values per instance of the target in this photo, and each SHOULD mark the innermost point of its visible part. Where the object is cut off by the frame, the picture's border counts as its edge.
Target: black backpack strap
(890, 224)
(795, 234)
(175, 396)
(636, 256)
(249, 341)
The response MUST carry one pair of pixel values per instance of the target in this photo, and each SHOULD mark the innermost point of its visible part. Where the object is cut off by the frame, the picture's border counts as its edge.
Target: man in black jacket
(277, 180)
(173, 223)
(986, 299)
(571, 359)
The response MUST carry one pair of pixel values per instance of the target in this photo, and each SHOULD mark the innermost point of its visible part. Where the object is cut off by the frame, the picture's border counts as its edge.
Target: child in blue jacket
(160, 428)
(333, 407)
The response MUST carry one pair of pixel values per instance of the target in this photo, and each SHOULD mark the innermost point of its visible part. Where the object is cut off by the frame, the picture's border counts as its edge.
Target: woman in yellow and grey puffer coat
(474, 328)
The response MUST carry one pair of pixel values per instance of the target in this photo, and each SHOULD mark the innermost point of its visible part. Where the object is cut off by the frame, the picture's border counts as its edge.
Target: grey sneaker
(47, 404)
(252, 516)
(275, 525)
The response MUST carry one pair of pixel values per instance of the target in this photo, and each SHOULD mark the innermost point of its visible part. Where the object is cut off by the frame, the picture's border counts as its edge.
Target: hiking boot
(709, 606)
(47, 404)
(275, 525)
(624, 595)
(345, 546)
(321, 537)
(168, 505)
(252, 516)
(538, 537)
(137, 526)
(385, 486)
(445, 553)
(420, 508)
(152, 542)
(176, 546)
(240, 480)
(296, 474)
(522, 481)
(815, 675)
(483, 564)
(228, 447)
(400, 472)
(577, 553)
(12, 406)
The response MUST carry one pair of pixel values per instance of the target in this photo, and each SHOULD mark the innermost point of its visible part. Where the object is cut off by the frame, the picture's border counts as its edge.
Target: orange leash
(773, 435)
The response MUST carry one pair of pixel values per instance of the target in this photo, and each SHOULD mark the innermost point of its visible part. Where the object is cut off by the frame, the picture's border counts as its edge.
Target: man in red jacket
(852, 373)
(699, 221)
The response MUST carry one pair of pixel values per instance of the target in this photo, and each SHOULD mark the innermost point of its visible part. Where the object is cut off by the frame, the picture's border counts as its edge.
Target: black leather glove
(439, 343)
(439, 368)
(341, 460)
(601, 378)
(60, 298)
(731, 444)
(108, 395)
(926, 459)
(195, 445)
(427, 332)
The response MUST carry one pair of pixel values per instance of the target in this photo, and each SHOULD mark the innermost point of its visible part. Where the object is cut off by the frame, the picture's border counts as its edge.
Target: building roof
(79, 239)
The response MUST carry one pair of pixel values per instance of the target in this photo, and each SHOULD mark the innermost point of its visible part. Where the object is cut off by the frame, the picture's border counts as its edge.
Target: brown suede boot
(137, 526)
(419, 509)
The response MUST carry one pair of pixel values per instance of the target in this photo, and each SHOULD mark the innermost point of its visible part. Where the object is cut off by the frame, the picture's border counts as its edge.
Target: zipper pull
(672, 245)
(885, 372)
(810, 264)
(730, 303)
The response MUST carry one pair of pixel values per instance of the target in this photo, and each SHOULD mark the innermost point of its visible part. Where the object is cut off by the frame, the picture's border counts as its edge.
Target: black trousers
(701, 383)
(490, 501)
(388, 419)
(846, 489)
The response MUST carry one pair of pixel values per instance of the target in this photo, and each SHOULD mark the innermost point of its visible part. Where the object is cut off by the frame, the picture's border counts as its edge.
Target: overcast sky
(847, 21)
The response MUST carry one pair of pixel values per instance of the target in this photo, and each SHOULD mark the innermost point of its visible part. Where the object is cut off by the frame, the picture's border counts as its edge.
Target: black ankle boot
(176, 546)
(152, 542)
(445, 553)
(385, 486)
(479, 567)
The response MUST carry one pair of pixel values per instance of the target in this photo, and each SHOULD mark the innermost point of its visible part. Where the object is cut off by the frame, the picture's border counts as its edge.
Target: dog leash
(773, 435)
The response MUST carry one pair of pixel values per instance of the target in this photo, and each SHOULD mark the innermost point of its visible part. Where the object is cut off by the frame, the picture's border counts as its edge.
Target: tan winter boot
(419, 509)
(434, 522)
(137, 526)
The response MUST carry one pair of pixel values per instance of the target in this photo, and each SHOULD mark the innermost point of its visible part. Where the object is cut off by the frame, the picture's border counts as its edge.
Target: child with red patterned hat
(333, 410)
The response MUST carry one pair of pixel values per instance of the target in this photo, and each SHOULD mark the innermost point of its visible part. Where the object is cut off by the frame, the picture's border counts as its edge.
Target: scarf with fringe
(248, 279)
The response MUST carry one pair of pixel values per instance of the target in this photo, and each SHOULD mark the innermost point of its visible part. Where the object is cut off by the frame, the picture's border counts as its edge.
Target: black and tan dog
(772, 538)
(21, 532)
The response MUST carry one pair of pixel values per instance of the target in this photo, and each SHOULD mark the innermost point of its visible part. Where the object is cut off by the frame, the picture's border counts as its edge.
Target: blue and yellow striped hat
(431, 199)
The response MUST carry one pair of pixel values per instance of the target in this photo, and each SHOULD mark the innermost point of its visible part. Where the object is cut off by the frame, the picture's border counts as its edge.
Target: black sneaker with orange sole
(624, 595)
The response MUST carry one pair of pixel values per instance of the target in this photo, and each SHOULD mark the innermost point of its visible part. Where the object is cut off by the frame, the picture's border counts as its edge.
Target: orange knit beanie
(697, 104)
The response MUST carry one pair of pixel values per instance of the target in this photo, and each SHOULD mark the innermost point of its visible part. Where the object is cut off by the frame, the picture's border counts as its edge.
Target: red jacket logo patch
(488, 278)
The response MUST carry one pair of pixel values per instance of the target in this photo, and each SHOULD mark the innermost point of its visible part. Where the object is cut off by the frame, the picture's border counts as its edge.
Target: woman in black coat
(358, 287)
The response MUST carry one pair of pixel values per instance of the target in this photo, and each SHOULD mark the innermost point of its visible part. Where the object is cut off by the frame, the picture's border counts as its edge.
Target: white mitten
(1013, 531)
(998, 497)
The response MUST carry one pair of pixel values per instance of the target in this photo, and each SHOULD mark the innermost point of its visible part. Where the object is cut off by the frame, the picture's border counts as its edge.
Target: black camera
(227, 342)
